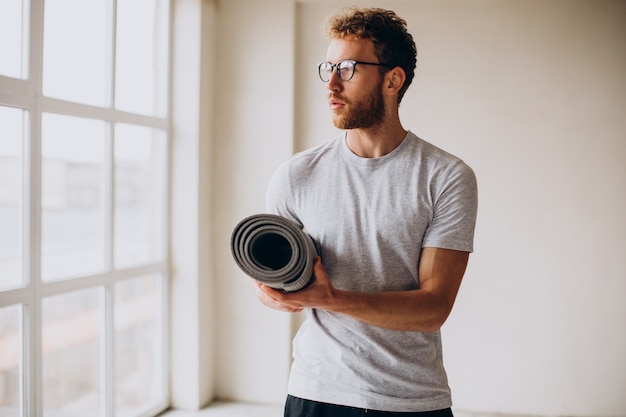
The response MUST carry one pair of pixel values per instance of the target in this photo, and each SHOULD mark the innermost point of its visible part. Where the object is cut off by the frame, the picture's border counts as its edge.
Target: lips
(335, 103)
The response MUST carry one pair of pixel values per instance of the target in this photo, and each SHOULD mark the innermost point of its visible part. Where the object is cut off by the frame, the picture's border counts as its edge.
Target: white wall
(533, 96)
(254, 129)
(192, 288)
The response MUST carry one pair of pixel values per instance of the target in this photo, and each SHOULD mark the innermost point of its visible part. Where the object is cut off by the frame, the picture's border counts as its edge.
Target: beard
(368, 112)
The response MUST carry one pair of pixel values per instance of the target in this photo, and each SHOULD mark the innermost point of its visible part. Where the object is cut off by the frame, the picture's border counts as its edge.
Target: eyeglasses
(345, 68)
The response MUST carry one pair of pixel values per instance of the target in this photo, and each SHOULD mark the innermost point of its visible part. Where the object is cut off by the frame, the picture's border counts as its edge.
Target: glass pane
(139, 185)
(73, 151)
(141, 56)
(138, 345)
(12, 124)
(10, 361)
(12, 49)
(76, 45)
(71, 349)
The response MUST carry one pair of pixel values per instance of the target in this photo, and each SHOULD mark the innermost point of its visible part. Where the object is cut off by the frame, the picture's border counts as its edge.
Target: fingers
(268, 297)
(311, 296)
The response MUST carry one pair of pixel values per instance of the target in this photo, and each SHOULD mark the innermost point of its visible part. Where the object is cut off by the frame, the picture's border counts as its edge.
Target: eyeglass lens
(345, 70)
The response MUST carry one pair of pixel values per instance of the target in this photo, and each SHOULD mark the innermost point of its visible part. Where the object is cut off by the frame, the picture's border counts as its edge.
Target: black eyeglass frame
(354, 64)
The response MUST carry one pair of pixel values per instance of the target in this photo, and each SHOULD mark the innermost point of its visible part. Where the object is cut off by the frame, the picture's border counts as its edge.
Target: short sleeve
(455, 209)
(278, 198)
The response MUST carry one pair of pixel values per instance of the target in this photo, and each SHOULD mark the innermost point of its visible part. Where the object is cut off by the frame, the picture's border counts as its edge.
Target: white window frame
(26, 94)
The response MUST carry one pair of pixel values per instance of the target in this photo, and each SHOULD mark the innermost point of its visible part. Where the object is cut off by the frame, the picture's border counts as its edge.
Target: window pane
(12, 125)
(75, 64)
(10, 361)
(139, 186)
(141, 56)
(138, 353)
(73, 151)
(12, 48)
(71, 349)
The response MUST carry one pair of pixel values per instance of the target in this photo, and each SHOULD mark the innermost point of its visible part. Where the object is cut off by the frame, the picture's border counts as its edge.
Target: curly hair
(393, 43)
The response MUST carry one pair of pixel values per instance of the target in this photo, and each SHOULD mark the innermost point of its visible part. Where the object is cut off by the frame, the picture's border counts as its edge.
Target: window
(83, 207)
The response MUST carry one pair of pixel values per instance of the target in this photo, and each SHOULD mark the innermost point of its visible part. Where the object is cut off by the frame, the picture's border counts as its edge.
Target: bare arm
(424, 309)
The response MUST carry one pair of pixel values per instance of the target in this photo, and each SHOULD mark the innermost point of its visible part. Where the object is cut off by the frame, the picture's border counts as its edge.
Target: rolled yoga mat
(274, 250)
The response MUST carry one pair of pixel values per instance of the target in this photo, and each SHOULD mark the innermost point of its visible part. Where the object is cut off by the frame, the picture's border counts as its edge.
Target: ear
(394, 80)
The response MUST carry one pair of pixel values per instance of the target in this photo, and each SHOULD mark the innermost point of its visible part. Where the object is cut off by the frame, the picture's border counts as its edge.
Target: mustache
(337, 97)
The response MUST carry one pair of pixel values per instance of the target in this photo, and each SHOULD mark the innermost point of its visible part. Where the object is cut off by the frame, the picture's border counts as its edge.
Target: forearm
(417, 310)
(424, 309)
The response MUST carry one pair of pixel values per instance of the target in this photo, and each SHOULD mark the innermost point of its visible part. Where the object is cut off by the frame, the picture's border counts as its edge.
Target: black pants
(297, 407)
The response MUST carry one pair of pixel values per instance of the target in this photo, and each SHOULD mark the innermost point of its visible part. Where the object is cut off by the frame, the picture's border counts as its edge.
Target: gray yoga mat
(274, 250)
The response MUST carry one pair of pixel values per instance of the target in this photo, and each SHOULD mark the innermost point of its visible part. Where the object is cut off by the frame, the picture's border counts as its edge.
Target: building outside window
(83, 207)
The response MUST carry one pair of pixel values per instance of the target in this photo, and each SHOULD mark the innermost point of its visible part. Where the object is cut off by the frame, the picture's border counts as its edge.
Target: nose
(334, 83)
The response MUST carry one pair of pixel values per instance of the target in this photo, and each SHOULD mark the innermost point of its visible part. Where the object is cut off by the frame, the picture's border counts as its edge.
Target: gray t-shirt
(370, 218)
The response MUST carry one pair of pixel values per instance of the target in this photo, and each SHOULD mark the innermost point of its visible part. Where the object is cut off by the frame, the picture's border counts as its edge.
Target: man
(394, 219)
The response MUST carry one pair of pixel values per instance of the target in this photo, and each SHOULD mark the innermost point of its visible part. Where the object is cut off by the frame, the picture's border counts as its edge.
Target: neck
(376, 141)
